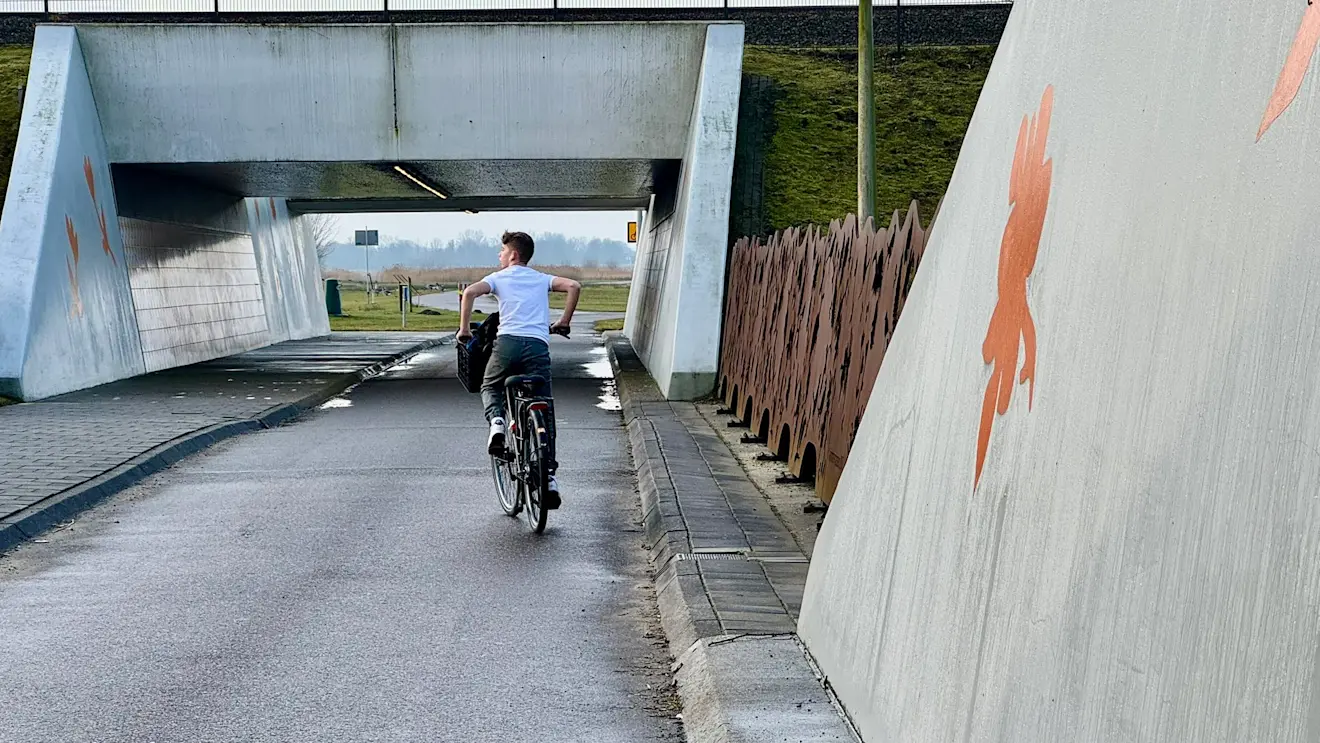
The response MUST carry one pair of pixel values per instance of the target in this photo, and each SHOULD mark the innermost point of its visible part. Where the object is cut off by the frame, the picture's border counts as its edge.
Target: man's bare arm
(573, 289)
(470, 295)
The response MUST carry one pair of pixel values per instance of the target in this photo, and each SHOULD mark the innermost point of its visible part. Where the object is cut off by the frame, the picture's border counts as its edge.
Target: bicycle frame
(518, 405)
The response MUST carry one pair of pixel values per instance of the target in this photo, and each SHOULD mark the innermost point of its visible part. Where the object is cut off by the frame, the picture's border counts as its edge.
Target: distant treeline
(477, 249)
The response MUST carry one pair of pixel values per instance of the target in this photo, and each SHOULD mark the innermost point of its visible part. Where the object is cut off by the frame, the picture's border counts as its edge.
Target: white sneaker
(495, 444)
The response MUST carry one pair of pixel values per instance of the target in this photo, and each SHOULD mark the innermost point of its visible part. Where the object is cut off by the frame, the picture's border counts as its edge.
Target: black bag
(473, 355)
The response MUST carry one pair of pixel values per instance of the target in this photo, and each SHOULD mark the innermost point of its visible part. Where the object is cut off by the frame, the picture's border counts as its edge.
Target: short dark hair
(522, 243)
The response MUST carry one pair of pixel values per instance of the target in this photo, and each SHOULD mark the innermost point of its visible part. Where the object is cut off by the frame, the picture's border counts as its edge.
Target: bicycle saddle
(525, 380)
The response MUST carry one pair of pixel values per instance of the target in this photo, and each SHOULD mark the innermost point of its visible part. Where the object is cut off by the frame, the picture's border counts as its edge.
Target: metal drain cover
(710, 556)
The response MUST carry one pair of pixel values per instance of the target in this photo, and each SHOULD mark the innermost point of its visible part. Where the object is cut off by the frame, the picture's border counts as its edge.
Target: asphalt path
(350, 577)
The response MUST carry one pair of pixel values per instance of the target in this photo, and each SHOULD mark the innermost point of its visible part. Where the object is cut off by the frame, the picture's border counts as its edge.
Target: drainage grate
(711, 556)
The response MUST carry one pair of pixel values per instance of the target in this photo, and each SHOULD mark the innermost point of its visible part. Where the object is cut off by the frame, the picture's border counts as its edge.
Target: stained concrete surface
(349, 577)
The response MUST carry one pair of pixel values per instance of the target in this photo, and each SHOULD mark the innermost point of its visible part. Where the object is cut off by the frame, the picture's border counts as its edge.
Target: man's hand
(560, 328)
(470, 295)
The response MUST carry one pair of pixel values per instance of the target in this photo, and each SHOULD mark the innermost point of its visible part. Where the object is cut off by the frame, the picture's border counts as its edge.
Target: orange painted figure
(77, 309)
(1294, 68)
(100, 213)
(1028, 197)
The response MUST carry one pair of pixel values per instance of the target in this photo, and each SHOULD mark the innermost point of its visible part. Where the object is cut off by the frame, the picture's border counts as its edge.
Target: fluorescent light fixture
(420, 182)
(470, 211)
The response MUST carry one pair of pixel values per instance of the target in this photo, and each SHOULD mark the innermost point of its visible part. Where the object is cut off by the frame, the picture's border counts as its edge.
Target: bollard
(333, 306)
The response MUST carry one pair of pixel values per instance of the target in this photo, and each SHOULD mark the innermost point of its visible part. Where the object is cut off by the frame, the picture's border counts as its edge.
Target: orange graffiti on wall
(77, 309)
(1028, 198)
(1294, 68)
(100, 212)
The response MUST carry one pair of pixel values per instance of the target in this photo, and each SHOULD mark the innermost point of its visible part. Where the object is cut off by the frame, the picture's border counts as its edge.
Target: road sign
(366, 238)
(632, 232)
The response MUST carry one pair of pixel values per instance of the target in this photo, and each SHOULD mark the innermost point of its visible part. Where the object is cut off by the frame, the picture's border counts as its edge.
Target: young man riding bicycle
(522, 344)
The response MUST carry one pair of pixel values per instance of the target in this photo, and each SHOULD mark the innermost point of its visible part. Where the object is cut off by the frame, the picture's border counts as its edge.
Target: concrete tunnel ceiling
(216, 138)
(467, 184)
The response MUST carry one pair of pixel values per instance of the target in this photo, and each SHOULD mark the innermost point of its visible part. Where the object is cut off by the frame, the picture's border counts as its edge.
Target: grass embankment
(597, 298)
(923, 105)
(13, 76)
(606, 325)
(383, 314)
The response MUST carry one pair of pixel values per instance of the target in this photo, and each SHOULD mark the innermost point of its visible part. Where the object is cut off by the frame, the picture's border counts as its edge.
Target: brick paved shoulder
(718, 547)
(729, 578)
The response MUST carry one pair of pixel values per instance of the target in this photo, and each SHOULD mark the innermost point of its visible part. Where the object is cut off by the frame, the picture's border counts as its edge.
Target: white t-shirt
(524, 295)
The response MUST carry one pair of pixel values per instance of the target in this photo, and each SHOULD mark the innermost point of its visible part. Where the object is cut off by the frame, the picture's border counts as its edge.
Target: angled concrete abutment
(152, 218)
(1082, 503)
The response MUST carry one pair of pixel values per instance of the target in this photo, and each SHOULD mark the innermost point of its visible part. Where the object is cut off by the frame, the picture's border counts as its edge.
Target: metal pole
(898, 13)
(366, 250)
(865, 112)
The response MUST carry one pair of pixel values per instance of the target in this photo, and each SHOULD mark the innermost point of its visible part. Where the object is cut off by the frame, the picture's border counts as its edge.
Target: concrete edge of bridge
(741, 675)
(62, 507)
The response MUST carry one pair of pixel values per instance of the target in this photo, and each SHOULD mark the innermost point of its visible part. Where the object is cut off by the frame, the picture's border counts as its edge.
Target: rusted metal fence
(810, 313)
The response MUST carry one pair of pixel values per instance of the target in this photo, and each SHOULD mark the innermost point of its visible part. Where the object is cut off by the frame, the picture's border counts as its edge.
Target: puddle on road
(609, 396)
(599, 366)
(415, 361)
(337, 402)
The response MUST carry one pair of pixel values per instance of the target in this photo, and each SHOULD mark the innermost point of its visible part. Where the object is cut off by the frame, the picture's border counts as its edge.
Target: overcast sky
(425, 227)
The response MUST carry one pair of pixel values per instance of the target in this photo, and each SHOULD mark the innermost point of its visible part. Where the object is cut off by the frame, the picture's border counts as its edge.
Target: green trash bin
(332, 304)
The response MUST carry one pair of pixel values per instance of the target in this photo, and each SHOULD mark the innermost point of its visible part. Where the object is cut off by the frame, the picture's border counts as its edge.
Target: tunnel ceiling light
(403, 172)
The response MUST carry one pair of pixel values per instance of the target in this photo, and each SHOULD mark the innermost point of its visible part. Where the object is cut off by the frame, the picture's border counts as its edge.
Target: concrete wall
(679, 269)
(383, 93)
(197, 292)
(365, 97)
(66, 311)
(1140, 559)
(290, 272)
(166, 272)
(215, 274)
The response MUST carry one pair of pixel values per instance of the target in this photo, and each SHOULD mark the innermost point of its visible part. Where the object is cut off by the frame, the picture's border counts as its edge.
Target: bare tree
(323, 228)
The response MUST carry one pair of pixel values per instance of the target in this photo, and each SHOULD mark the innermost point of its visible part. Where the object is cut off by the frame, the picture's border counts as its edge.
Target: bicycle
(522, 472)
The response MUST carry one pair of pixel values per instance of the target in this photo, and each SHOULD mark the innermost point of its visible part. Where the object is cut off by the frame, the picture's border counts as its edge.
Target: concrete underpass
(166, 195)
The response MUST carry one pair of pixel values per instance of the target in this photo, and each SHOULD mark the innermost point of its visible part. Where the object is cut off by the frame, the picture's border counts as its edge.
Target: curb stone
(50, 512)
(736, 687)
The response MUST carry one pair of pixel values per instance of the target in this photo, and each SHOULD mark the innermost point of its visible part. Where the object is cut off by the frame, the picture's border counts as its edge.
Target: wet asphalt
(350, 577)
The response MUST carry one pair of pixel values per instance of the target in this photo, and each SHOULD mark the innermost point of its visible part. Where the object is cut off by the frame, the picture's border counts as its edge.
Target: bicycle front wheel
(536, 460)
(506, 488)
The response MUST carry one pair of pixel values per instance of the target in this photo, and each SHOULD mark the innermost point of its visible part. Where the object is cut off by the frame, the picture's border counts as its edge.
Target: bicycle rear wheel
(506, 487)
(536, 461)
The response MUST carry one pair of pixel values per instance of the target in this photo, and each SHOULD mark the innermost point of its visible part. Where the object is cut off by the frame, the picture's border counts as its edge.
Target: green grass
(923, 106)
(597, 298)
(605, 325)
(384, 315)
(13, 75)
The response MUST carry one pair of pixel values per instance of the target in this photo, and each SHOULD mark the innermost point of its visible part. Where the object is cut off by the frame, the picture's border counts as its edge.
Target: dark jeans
(513, 356)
